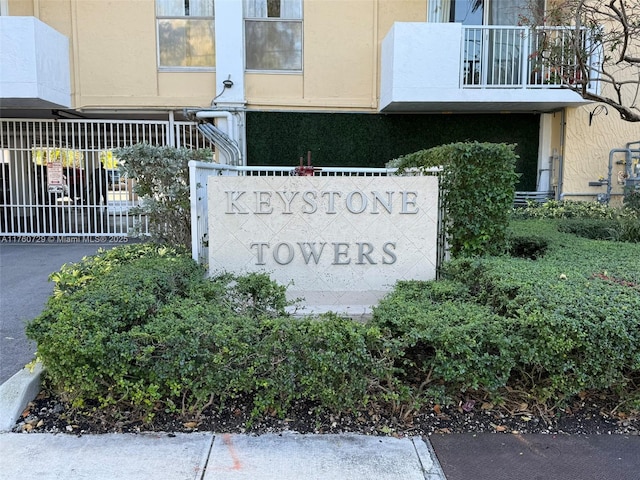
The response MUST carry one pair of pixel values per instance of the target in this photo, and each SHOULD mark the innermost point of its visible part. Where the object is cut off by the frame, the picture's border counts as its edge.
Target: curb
(428, 459)
(16, 393)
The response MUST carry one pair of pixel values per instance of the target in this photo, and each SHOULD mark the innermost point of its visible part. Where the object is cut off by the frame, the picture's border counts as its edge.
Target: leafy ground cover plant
(587, 219)
(564, 209)
(621, 229)
(575, 327)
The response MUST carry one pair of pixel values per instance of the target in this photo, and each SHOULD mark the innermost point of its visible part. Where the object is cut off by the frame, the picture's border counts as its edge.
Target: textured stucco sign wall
(340, 240)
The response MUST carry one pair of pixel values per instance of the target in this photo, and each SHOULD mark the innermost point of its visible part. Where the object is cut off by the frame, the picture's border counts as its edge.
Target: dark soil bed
(590, 415)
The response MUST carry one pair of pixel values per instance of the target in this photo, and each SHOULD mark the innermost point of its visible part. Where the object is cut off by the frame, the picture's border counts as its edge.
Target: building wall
(586, 152)
(341, 57)
(113, 56)
(588, 143)
(21, 8)
(114, 69)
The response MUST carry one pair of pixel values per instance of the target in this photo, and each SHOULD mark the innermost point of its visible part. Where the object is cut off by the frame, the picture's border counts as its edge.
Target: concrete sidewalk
(207, 456)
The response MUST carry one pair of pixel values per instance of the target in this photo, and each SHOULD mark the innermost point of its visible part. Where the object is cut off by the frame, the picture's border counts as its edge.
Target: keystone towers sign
(340, 240)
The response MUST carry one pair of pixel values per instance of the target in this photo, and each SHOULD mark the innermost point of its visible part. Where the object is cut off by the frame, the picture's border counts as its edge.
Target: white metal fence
(59, 179)
(199, 172)
(511, 57)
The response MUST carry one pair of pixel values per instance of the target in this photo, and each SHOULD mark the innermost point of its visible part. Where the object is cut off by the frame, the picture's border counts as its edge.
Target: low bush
(87, 334)
(136, 329)
(442, 338)
(622, 229)
(631, 200)
(142, 329)
(586, 219)
(593, 228)
(575, 313)
(162, 183)
(564, 209)
(530, 246)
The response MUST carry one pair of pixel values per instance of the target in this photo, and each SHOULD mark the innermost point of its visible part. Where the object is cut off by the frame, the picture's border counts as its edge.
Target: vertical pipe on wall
(75, 55)
(171, 133)
(375, 93)
(563, 133)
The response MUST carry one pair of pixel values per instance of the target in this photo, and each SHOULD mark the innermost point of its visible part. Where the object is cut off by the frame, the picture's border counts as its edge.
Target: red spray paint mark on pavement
(237, 465)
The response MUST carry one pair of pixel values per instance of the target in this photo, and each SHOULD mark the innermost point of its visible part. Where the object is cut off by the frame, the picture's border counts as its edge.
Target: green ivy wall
(371, 140)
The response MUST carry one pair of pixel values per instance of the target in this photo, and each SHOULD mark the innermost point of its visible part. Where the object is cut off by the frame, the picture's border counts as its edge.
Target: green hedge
(553, 328)
(477, 184)
(587, 219)
(575, 313)
(140, 328)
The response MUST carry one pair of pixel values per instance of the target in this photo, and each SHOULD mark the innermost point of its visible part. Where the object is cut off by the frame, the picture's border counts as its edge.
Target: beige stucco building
(356, 82)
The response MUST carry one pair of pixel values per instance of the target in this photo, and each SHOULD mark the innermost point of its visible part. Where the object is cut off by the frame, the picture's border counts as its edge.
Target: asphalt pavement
(24, 289)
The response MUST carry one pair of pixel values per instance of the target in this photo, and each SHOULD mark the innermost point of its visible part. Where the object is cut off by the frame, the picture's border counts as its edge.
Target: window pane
(201, 8)
(289, 9)
(170, 8)
(182, 8)
(273, 45)
(186, 43)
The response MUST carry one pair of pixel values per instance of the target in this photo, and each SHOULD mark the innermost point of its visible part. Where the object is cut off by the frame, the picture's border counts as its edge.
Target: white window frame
(177, 68)
(275, 20)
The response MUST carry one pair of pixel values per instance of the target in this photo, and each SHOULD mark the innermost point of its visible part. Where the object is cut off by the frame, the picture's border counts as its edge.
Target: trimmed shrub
(564, 209)
(87, 334)
(326, 361)
(478, 185)
(593, 228)
(162, 183)
(442, 338)
(586, 219)
(532, 247)
(575, 314)
(632, 200)
(139, 330)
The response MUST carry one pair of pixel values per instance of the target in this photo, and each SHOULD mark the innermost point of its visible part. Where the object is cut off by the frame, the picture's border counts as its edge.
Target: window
(467, 12)
(185, 33)
(479, 12)
(273, 34)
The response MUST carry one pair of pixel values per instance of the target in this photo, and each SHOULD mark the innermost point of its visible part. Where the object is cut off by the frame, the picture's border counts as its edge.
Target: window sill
(185, 69)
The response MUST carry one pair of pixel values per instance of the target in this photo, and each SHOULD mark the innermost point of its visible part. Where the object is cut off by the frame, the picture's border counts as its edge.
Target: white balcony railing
(450, 67)
(520, 57)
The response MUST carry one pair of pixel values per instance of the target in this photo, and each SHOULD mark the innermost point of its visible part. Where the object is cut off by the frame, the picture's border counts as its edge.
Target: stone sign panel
(335, 240)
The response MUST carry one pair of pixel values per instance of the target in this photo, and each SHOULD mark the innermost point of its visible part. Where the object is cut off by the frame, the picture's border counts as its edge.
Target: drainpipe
(228, 127)
(228, 146)
(563, 131)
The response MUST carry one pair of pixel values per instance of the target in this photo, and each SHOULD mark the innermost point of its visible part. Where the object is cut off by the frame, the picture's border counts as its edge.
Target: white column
(229, 53)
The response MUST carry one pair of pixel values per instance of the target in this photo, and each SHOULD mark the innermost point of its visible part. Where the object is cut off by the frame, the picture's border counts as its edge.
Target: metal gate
(59, 179)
